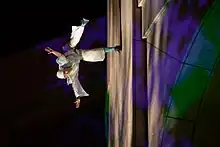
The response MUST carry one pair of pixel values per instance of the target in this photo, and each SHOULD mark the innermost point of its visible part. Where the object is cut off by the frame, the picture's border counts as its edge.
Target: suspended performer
(68, 61)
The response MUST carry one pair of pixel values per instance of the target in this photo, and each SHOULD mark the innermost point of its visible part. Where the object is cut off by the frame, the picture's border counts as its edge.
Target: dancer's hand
(49, 50)
(77, 102)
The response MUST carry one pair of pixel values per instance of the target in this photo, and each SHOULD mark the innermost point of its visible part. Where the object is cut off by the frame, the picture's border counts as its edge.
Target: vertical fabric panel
(120, 73)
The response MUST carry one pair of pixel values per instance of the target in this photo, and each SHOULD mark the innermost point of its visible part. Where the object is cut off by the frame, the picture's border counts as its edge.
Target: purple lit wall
(176, 51)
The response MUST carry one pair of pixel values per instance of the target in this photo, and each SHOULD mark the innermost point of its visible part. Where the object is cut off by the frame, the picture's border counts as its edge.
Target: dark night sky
(26, 25)
(30, 113)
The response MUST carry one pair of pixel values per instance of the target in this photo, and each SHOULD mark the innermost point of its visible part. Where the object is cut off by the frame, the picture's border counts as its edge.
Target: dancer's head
(62, 74)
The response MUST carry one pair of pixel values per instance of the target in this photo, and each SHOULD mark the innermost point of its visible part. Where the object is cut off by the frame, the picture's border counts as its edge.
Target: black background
(32, 115)
(29, 24)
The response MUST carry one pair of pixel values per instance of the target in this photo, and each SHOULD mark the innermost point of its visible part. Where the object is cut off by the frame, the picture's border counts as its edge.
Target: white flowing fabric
(72, 77)
(76, 35)
(72, 58)
(94, 55)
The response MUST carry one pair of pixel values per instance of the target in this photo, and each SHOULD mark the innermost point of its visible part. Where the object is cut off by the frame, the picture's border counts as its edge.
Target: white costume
(72, 57)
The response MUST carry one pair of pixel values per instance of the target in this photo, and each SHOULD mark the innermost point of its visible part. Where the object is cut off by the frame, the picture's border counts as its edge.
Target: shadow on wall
(36, 104)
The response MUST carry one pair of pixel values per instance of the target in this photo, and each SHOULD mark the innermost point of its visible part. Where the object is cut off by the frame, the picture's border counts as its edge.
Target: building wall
(181, 53)
(120, 73)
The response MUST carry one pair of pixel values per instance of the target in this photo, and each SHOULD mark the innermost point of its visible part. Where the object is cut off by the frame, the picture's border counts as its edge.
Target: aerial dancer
(68, 61)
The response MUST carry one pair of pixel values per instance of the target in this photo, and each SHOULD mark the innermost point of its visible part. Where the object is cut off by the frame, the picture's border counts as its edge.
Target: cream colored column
(120, 73)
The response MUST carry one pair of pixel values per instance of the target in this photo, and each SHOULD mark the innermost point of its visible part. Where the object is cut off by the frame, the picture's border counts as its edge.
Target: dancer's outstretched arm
(51, 51)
